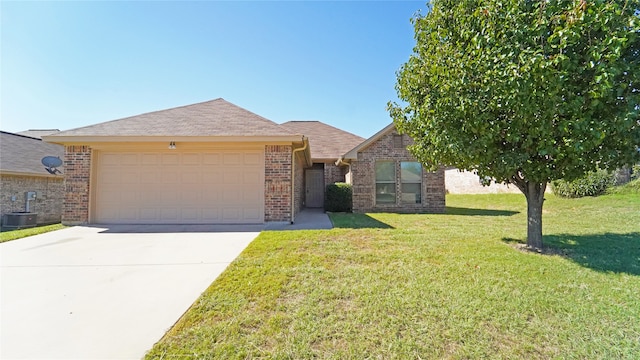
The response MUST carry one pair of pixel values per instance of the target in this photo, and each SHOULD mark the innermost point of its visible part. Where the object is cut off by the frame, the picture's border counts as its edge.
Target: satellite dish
(51, 163)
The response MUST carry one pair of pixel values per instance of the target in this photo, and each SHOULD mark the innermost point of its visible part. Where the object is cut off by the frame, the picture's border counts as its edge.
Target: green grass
(453, 286)
(19, 234)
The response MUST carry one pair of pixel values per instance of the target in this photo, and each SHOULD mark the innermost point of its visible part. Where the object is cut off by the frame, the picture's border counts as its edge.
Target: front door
(314, 180)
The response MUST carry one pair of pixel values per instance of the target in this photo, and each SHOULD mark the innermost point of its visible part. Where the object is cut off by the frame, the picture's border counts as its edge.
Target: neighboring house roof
(326, 141)
(22, 155)
(38, 133)
(353, 153)
(218, 118)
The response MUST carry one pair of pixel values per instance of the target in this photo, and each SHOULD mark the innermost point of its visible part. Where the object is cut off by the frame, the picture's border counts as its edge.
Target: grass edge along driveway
(430, 286)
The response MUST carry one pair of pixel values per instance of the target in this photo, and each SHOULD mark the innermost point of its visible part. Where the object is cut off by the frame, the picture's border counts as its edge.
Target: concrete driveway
(106, 293)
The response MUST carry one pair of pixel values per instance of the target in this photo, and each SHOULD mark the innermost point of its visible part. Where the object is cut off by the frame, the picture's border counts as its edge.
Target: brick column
(77, 168)
(277, 183)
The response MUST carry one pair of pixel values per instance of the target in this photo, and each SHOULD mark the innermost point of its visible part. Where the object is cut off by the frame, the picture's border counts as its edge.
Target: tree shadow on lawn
(450, 210)
(618, 253)
(356, 221)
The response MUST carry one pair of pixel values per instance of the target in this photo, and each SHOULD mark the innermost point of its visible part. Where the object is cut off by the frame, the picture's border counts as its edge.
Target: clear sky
(71, 64)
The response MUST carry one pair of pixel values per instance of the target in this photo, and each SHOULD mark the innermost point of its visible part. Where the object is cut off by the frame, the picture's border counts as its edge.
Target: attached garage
(174, 187)
(206, 163)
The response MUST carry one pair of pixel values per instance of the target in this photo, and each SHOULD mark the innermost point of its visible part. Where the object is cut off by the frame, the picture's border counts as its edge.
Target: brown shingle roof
(23, 154)
(211, 118)
(325, 141)
(38, 133)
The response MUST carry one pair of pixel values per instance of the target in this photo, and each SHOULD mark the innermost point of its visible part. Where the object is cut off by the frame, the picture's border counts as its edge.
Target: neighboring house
(214, 162)
(327, 144)
(466, 182)
(21, 171)
(386, 177)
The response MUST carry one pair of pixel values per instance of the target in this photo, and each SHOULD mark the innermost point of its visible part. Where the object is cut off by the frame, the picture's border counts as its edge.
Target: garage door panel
(170, 159)
(129, 159)
(251, 178)
(150, 159)
(211, 177)
(148, 214)
(211, 215)
(181, 188)
(254, 158)
(232, 215)
(249, 194)
(170, 175)
(189, 197)
(191, 159)
(190, 215)
(111, 159)
(169, 215)
(211, 158)
(232, 176)
(232, 158)
(191, 177)
(110, 177)
(252, 215)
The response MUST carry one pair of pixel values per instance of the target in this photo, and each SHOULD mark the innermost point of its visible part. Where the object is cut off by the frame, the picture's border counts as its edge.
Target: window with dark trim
(411, 182)
(385, 182)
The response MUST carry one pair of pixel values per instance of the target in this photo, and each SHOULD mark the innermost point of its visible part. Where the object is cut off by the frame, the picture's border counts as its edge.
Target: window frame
(417, 196)
(393, 181)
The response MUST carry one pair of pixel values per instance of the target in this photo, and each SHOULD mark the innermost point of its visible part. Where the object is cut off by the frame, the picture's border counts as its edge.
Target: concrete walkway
(104, 293)
(307, 219)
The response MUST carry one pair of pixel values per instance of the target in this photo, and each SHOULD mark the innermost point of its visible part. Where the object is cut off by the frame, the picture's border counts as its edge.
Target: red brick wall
(333, 174)
(363, 179)
(277, 183)
(77, 166)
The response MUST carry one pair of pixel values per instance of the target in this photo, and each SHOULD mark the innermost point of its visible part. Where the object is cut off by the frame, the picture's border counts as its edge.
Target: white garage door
(208, 187)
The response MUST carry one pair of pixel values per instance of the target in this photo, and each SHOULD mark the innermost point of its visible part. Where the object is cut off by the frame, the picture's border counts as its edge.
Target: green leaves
(542, 90)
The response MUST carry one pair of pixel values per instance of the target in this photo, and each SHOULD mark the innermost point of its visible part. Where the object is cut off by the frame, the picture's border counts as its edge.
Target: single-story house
(327, 145)
(214, 163)
(21, 171)
(387, 178)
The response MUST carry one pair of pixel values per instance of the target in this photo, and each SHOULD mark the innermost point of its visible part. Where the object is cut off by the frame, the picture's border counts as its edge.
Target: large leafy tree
(524, 91)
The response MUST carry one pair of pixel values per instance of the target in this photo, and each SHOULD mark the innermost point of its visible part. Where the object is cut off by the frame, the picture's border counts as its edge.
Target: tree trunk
(534, 192)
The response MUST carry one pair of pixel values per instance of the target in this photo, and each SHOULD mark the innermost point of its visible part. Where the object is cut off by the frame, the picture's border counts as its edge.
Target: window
(411, 178)
(385, 182)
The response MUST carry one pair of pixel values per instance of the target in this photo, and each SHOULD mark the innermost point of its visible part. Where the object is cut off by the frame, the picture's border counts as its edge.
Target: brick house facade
(390, 147)
(230, 166)
(49, 200)
(22, 171)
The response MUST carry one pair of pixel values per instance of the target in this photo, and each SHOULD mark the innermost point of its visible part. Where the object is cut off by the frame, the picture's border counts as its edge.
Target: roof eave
(32, 174)
(353, 153)
(70, 140)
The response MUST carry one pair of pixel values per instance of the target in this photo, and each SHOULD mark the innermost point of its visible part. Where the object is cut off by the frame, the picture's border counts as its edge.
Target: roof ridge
(20, 135)
(144, 113)
(325, 124)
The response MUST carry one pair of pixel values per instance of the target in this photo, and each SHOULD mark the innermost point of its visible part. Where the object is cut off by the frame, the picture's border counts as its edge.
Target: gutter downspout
(293, 176)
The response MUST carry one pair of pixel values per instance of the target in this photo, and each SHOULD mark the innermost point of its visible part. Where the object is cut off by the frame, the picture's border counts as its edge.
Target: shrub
(592, 184)
(338, 197)
(632, 187)
(635, 172)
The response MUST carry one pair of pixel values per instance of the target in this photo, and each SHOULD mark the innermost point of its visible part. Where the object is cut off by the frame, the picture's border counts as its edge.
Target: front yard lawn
(22, 233)
(458, 285)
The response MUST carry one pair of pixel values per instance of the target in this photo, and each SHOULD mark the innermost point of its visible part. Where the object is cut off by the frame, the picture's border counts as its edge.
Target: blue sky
(71, 64)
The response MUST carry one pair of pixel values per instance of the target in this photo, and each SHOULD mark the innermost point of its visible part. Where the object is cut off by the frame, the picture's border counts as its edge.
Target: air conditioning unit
(19, 220)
